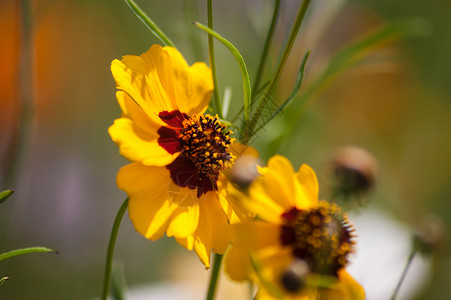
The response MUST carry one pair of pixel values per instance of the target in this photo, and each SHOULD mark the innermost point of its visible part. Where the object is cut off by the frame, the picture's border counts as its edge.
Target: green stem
(262, 63)
(214, 276)
(110, 252)
(211, 52)
(403, 275)
(191, 13)
(149, 23)
(286, 53)
(290, 98)
(242, 65)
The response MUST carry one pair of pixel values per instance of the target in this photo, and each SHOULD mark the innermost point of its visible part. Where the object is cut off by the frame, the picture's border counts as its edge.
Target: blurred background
(57, 99)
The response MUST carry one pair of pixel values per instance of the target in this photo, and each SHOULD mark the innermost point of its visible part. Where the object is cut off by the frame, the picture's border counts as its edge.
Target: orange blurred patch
(9, 78)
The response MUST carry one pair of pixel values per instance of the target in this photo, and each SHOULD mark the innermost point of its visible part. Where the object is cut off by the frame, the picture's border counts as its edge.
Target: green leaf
(242, 65)
(263, 104)
(269, 37)
(290, 98)
(211, 53)
(2, 280)
(119, 284)
(22, 251)
(110, 250)
(150, 24)
(5, 195)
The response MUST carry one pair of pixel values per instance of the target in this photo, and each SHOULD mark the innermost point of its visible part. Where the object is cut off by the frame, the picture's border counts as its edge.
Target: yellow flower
(177, 154)
(298, 247)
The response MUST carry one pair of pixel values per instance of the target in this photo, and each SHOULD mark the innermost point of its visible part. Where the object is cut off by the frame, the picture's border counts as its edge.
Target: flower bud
(244, 171)
(293, 278)
(353, 171)
(430, 235)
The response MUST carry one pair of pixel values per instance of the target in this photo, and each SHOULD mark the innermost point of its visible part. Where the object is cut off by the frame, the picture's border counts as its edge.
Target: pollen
(322, 236)
(206, 143)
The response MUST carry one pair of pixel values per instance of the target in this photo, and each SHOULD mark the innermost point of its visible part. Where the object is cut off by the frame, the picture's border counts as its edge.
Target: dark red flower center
(204, 145)
(321, 236)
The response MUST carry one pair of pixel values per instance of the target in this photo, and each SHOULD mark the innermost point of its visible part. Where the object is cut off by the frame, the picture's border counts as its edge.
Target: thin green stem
(268, 41)
(280, 67)
(403, 275)
(291, 97)
(242, 65)
(149, 23)
(191, 13)
(211, 53)
(214, 276)
(110, 252)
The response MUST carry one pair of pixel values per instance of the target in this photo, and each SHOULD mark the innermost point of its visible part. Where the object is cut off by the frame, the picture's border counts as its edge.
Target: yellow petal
(187, 242)
(239, 149)
(149, 208)
(274, 261)
(346, 289)
(131, 110)
(160, 79)
(184, 222)
(137, 137)
(213, 232)
(278, 181)
(231, 204)
(229, 210)
(308, 193)
(262, 204)
(237, 264)
(255, 235)
(139, 80)
(189, 87)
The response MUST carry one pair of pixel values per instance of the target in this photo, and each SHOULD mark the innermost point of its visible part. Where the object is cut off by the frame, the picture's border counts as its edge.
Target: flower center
(321, 236)
(205, 142)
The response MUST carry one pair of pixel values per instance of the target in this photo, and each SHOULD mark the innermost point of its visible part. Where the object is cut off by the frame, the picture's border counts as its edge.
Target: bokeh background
(57, 99)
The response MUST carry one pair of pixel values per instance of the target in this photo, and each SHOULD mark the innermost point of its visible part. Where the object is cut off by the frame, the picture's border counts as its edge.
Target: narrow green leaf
(294, 32)
(2, 280)
(110, 250)
(150, 24)
(242, 65)
(5, 195)
(290, 98)
(261, 65)
(22, 251)
(119, 284)
(211, 52)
